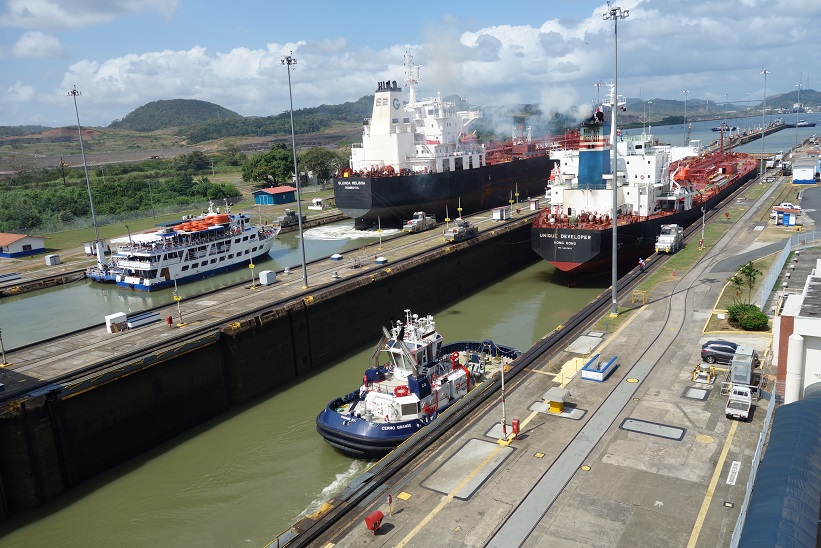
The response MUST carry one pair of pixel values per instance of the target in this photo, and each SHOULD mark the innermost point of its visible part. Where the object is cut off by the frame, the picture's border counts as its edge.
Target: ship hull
(578, 251)
(360, 438)
(390, 201)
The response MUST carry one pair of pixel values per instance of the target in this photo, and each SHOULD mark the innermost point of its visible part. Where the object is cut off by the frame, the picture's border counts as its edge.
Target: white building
(797, 339)
(20, 245)
(804, 170)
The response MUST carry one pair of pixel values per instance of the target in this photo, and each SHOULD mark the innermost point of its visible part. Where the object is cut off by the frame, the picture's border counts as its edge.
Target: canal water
(247, 476)
(784, 140)
(39, 315)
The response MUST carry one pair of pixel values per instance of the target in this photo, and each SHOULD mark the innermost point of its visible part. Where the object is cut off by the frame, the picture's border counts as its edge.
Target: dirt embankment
(45, 150)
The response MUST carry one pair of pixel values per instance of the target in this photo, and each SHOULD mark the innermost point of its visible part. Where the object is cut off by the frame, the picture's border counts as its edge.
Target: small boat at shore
(413, 377)
(194, 248)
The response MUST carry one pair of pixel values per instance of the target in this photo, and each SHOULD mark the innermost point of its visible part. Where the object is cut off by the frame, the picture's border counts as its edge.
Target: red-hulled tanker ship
(656, 184)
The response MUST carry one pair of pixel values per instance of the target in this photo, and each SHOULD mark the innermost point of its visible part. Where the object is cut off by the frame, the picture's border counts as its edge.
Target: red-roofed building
(20, 245)
(275, 195)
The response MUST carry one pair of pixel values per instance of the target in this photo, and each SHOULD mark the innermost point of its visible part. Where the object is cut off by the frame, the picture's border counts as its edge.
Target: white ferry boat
(196, 248)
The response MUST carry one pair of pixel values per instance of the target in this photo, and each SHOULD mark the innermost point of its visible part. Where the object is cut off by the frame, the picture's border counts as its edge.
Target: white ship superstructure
(417, 135)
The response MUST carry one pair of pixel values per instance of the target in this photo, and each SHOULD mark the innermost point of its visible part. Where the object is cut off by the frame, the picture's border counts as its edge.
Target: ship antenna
(411, 79)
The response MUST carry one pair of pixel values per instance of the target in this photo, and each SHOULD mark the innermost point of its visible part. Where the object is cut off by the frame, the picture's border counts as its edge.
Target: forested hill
(306, 120)
(173, 113)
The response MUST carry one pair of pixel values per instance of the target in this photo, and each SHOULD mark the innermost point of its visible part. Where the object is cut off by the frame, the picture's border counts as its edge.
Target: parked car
(718, 351)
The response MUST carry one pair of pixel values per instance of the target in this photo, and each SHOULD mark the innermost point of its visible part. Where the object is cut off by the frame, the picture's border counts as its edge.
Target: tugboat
(412, 378)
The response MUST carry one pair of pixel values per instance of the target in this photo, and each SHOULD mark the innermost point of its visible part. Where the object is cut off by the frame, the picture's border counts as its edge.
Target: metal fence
(804, 238)
(759, 452)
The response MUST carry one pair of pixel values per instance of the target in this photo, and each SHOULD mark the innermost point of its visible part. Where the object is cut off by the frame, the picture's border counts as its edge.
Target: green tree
(749, 274)
(322, 161)
(233, 155)
(195, 162)
(738, 285)
(275, 167)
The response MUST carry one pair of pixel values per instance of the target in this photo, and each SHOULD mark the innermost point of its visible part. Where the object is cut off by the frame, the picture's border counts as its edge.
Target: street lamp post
(647, 116)
(97, 243)
(765, 72)
(288, 61)
(798, 110)
(686, 91)
(614, 14)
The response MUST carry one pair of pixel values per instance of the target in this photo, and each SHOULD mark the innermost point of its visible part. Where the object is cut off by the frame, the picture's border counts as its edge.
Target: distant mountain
(306, 120)
(173, 113)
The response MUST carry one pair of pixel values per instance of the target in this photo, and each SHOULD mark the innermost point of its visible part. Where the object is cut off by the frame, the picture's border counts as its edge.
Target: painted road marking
(708, 497)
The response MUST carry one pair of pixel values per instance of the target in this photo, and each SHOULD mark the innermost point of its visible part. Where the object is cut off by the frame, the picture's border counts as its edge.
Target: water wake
(341, 480)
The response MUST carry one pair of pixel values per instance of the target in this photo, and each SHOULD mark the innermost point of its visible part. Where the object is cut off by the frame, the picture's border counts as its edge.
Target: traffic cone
(674, 272)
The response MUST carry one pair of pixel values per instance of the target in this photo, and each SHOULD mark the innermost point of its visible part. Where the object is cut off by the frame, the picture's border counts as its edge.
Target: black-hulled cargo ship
(419, 155)
(655, 185)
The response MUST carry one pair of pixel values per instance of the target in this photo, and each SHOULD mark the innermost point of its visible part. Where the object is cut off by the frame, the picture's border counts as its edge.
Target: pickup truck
(739, 403)
(419, 222)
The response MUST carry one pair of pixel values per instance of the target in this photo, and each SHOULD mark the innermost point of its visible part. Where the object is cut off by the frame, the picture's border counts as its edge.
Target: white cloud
(36, 44)
(665, 46)
(60, 14)
(20, 93)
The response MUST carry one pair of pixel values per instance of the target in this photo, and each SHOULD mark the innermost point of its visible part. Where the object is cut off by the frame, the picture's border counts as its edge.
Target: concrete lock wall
(57, 440)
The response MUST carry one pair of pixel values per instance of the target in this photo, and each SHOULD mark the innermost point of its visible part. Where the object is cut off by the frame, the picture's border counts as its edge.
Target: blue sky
(122, 54)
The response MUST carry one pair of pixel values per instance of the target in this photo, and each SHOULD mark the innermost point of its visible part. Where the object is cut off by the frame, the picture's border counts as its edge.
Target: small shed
(275, 195)
(803, 171)
(20, 245)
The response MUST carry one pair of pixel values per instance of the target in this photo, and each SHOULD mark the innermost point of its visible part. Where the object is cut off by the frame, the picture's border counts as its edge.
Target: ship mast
(411, 77)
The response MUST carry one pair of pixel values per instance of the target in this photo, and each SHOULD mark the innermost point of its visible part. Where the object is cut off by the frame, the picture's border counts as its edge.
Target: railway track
(343, 512)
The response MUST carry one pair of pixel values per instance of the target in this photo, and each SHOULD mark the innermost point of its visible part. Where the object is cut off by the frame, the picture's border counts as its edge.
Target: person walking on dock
(641, 264)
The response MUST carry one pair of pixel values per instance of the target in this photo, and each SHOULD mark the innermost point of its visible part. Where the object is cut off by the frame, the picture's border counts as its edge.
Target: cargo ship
(421, 155)
(655, 185)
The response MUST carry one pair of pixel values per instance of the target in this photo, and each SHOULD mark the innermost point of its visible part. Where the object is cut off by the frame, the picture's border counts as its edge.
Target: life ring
(400, 391)
(642, 176)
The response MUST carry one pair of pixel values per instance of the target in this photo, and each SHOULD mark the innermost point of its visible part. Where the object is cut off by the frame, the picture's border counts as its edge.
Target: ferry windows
(195, 265)
(231, 256)
(184, 268)
(222, 259)
(213, 261)
(245, 238)
(236, 241)
(247, 252)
